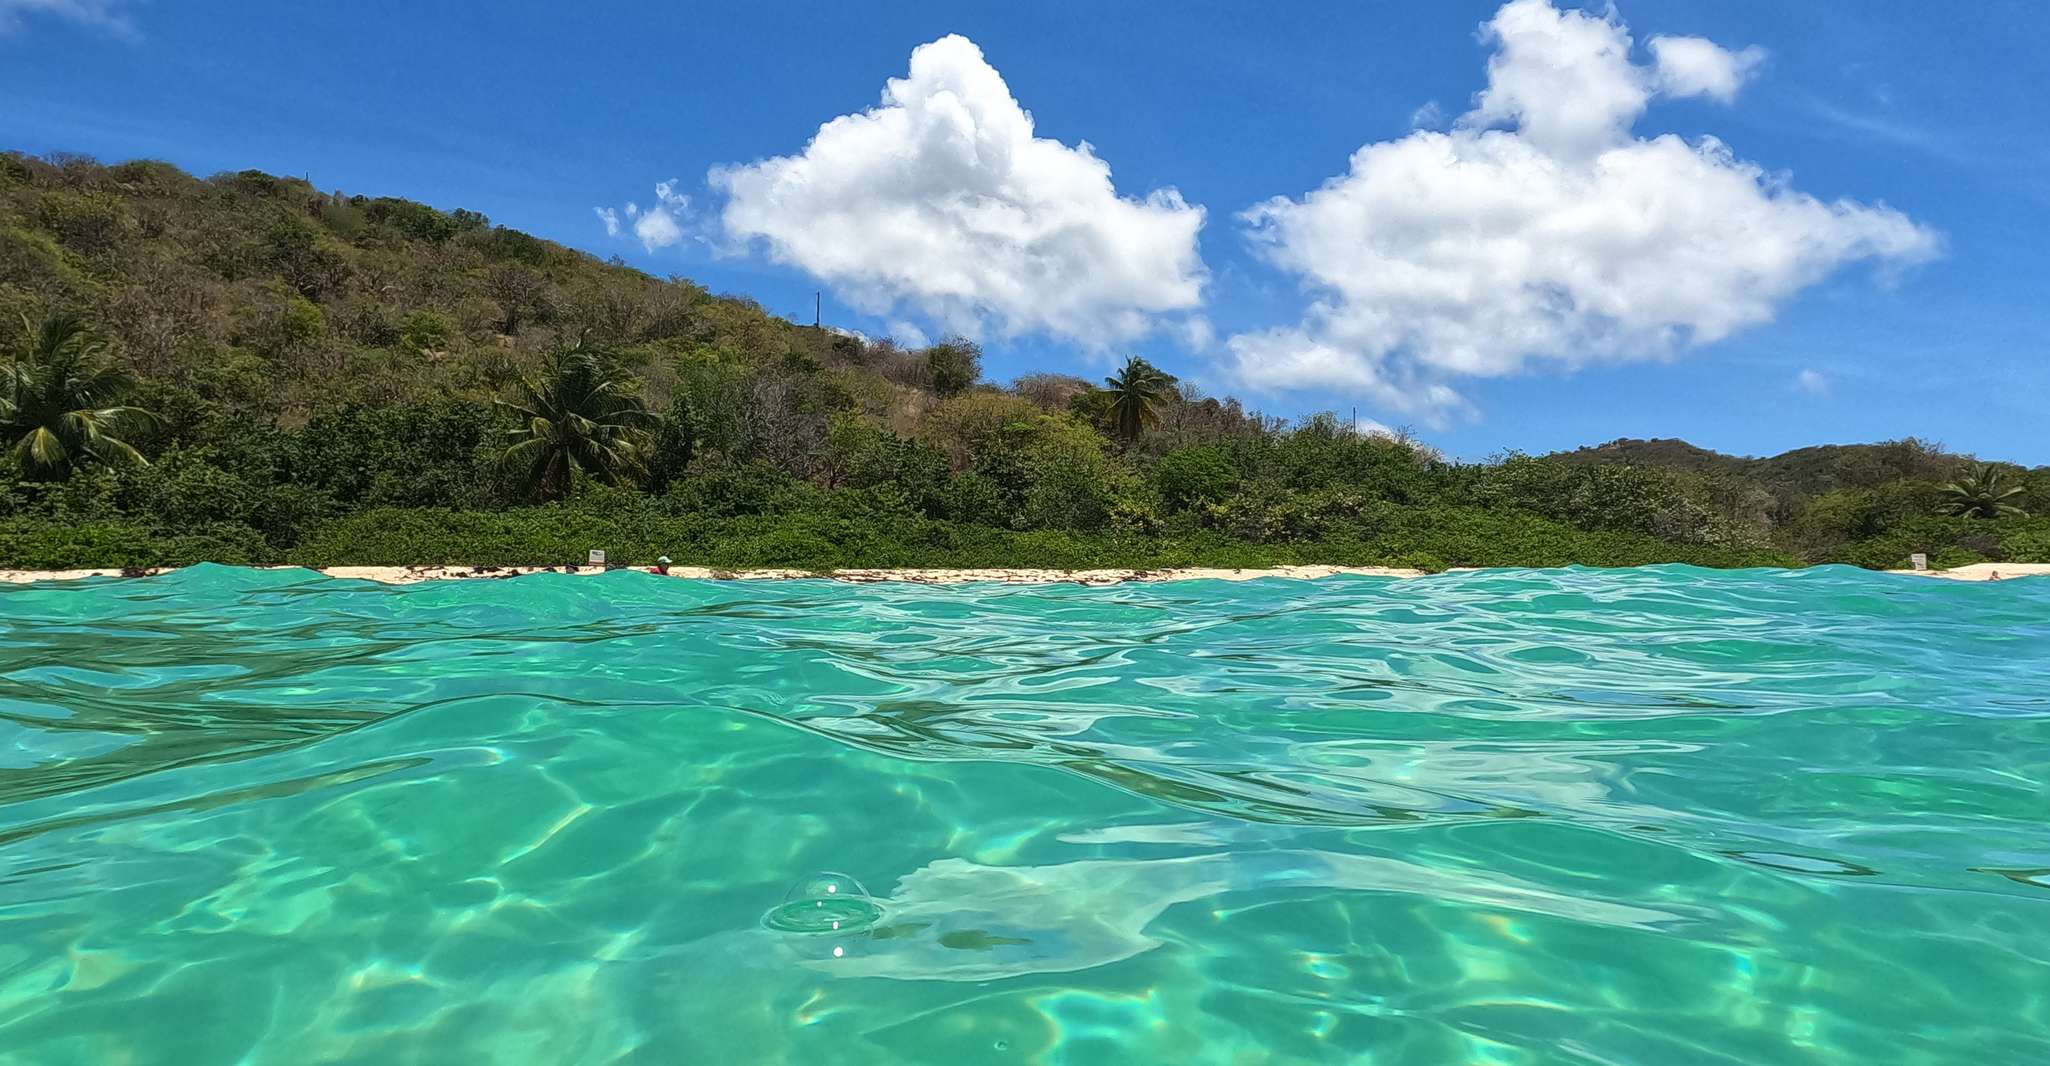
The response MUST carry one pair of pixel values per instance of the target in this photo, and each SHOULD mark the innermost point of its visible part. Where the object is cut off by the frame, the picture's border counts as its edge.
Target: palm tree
(1986, 492)
(60, 401)
(1136, 393)
(579, 414)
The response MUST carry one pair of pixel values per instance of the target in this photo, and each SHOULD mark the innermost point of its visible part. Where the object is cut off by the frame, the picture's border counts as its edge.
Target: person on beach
(662, 565)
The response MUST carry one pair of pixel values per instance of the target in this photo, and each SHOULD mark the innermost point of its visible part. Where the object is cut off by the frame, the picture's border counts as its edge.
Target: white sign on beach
(1919, 561)
(598, 557)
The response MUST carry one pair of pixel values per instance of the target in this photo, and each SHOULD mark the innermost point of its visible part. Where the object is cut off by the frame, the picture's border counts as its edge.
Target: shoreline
(1983, 571)
(408, 575)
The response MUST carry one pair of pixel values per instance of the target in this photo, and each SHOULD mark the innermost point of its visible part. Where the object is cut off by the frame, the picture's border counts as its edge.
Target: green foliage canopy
(580, 413)
(61, 401)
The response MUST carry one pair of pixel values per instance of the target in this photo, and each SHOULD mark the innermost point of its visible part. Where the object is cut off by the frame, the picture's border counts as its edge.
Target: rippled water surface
(1660, 816)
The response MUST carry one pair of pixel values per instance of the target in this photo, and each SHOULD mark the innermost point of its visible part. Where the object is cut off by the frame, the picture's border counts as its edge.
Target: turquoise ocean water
(1660, 816)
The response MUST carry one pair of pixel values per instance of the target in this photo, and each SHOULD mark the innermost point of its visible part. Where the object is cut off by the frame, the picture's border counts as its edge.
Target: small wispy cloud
(659, 225)
(1886, 129)
(1428, 117)
(907, 334)
(109, 15)
(657, 228)
(1812, 382)
(1987, 153)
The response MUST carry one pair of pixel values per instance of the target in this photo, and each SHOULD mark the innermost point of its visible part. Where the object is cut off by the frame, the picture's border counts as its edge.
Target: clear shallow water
(1658, 816)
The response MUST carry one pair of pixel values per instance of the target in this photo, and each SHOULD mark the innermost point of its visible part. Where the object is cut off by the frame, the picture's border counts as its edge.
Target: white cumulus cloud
(1696, 66)
(610, 219)
(942, 201)
(1540, 228)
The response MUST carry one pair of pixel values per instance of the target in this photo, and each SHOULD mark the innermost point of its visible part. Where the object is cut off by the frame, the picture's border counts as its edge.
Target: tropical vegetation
(580, 414)
(246, 368)
(1135, 395)
(61, 401)
(1986, 492)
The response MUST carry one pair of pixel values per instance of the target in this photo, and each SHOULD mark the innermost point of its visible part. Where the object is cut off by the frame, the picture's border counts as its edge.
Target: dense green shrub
(39, 544)
(1192, 477)
(953, 365)
(430, 453)
(85, 222)
(416, 221)
(855, 530)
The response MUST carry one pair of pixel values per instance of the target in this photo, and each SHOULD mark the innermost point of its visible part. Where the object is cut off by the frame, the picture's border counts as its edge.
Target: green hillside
(1798, 473)
(324, 377)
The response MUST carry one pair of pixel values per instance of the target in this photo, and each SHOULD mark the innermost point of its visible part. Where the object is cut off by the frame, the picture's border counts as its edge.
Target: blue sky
(1539, 296)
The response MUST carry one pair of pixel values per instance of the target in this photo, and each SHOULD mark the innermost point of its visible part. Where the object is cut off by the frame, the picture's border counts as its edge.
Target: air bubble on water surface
(825, 903)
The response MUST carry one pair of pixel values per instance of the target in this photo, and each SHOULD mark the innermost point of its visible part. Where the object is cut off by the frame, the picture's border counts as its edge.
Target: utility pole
(818, 309)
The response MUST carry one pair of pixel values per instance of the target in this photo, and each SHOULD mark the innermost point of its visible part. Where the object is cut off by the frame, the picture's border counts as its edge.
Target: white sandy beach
(406, 575)
(1983, 571)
